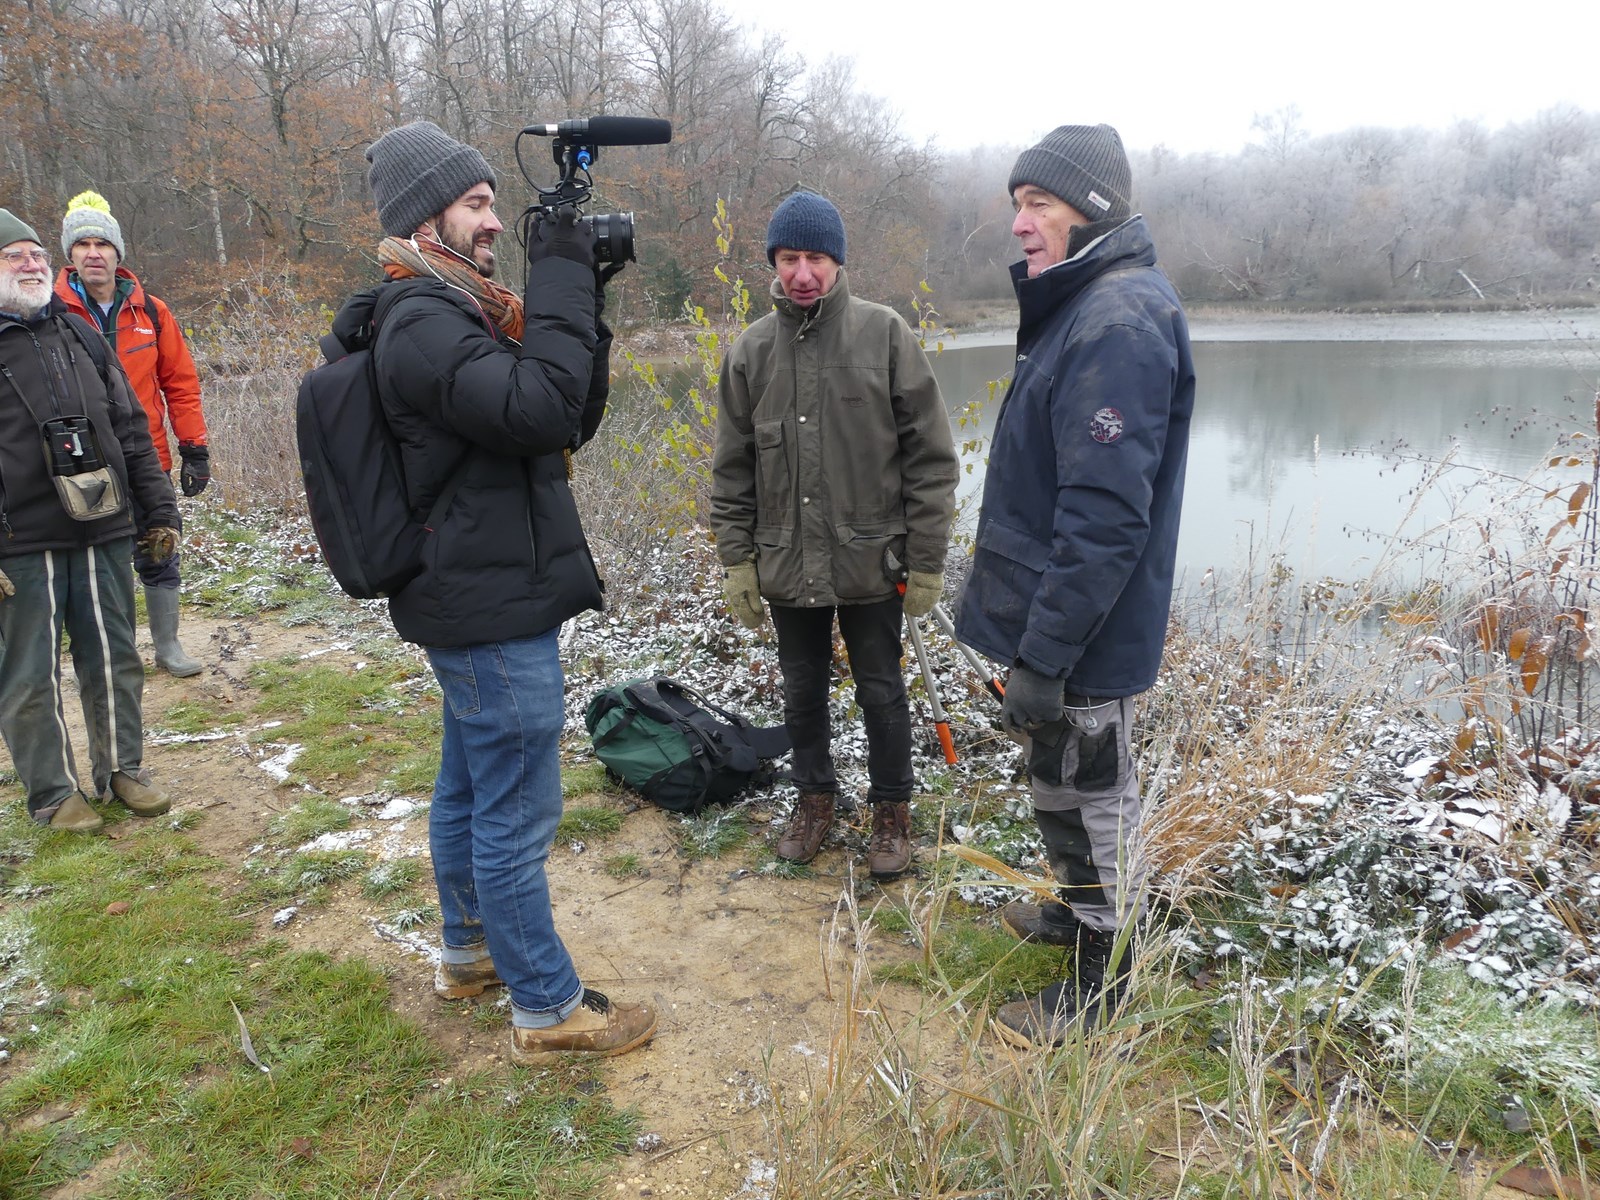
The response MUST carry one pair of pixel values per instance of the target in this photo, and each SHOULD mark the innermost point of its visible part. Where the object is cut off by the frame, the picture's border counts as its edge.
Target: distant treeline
(228, 137)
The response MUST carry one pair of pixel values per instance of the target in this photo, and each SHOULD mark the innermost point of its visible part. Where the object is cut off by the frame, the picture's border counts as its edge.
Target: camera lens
(613, 236)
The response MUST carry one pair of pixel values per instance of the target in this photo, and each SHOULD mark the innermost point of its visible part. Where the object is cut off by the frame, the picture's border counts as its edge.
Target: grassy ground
(1278, 1041)
(207, 1061)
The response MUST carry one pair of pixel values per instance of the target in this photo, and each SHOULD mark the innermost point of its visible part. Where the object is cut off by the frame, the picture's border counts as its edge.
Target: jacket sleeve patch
(1105, 426)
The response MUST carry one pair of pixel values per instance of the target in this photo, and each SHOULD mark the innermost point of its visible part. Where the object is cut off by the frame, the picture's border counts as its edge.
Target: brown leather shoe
(460, 981)
(808, 825)
(889, 852)
(597, 1026)
(142, 799)
(76, 815)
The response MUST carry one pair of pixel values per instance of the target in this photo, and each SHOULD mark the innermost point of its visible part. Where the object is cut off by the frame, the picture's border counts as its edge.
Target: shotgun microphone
(608, 131)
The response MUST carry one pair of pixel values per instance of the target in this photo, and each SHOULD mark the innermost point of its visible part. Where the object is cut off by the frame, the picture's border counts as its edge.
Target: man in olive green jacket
(834, 474)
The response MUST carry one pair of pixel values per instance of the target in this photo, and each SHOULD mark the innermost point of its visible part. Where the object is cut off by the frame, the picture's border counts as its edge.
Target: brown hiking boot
(460, 981)
(889, 852)
(76, 815)
(142, 799)
(1053, 924)
(596, 1026)
(808, 825)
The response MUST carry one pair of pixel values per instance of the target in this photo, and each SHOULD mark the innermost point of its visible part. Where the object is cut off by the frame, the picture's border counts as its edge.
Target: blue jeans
(496, 804)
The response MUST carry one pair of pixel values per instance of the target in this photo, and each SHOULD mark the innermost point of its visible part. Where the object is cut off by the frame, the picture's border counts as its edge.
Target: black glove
(196, 472)
(1032, 700)
(560, 236)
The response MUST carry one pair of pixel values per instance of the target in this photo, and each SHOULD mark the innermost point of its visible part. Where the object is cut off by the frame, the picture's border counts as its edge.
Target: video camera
(576, 148)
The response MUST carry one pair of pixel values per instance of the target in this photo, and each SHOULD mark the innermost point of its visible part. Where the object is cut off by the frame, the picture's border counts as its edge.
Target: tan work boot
(142, 799)
(76, 815)
(808, 825)
(889, 852)
(460, 981)
(596, 1026)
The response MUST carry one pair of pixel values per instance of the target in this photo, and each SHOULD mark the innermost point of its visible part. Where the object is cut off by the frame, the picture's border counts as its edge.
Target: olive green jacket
(833, 448)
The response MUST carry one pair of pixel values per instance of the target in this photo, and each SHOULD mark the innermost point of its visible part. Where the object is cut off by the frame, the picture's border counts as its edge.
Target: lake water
(1311, 434)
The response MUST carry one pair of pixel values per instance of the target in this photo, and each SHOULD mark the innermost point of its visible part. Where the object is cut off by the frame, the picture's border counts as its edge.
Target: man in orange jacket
(148, 341)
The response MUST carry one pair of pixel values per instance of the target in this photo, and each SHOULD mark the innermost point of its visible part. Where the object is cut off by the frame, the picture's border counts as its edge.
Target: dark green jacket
(833, 447)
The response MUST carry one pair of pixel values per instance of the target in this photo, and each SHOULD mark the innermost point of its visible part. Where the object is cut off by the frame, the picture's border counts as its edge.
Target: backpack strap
(94, 342)
(388, 295)
(768, 741)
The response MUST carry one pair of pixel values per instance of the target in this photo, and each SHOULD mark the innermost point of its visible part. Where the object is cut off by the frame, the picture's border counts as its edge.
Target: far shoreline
(1579, 327)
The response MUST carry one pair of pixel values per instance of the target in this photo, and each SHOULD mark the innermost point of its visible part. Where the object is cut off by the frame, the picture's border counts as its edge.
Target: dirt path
(733, 961)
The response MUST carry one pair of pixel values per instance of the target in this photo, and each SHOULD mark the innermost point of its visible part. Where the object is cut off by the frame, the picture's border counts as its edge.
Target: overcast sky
(1192, 75)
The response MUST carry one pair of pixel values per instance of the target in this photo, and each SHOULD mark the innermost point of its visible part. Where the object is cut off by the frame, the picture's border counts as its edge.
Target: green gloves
(923, 589)
(743, 594)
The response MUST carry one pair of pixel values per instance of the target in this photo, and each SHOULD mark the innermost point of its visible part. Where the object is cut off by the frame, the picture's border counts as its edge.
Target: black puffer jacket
(508, 558)
(45, 367)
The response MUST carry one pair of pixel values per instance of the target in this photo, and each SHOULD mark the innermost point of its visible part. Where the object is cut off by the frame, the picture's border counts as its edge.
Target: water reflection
(1312, 449)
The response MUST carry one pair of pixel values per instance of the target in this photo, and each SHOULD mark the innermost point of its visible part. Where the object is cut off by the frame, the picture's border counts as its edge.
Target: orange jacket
(161, 370)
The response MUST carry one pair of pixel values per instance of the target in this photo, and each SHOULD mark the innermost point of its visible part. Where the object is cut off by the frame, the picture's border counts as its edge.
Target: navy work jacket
(1072, 574)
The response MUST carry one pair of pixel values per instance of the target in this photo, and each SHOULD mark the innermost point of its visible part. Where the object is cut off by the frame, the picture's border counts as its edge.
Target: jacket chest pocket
(774, 472)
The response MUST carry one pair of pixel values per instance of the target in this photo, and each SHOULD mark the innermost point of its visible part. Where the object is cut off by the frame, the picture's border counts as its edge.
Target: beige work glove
(7, 588)
(743, 594)
(923, 589)
(159, 543)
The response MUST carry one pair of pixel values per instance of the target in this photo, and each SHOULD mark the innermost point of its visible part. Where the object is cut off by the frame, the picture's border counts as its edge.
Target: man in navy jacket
(1072, 578)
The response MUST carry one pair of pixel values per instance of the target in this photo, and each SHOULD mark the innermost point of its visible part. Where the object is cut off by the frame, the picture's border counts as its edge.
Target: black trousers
(872, 640)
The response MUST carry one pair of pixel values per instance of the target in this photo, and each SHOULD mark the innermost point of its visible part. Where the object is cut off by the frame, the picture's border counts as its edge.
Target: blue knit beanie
(806, 221)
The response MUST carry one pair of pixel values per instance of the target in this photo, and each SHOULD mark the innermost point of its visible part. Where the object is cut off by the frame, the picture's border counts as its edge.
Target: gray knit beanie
(1085, 165)
(806, 221)
(89, 215)
(418, 171)
(15, 229)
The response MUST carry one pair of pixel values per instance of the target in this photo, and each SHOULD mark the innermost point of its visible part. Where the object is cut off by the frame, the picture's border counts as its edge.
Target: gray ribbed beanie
(418, 171)
(15, 229)
(1085, 165)
(89, 215)
(806, 221)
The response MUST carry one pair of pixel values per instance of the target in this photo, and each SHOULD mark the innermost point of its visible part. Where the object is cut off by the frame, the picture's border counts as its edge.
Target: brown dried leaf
(1534, 660)
(1460, 935)
(1518, 643)
(1488, 627)
(1576, 501)
(1400, 617)
(117, 907)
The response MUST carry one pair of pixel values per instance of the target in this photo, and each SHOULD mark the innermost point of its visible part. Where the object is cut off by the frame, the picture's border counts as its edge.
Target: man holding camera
(487, 392)
(67, 513)
(1072, 575)
(834, 475)
(149, 343)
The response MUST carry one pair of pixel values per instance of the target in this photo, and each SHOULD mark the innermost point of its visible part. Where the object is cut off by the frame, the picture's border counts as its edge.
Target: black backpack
(657, 736)
(355, 484)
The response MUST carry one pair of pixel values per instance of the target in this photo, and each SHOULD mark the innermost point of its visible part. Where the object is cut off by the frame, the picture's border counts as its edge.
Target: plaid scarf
(403, 258)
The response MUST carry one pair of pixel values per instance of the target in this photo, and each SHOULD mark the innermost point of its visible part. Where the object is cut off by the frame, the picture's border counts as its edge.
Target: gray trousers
(1086, 799)
(89, 594)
